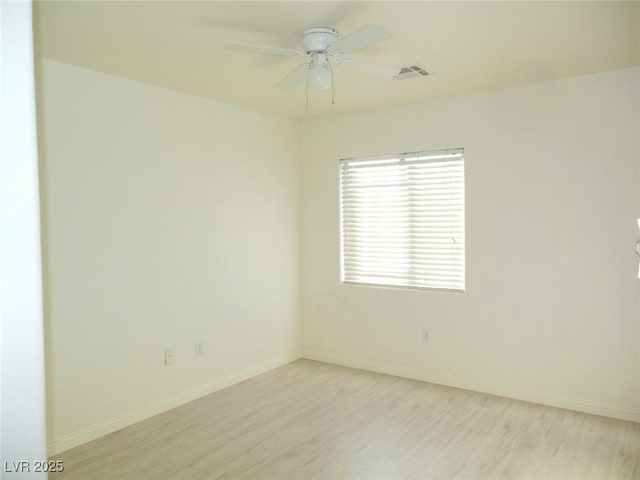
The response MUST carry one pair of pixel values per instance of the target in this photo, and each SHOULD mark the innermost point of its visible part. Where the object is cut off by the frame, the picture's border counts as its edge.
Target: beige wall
(550, 313)
(168, 219)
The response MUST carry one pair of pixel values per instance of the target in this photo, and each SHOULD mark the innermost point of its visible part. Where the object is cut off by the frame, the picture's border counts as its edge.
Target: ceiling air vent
(413, 71)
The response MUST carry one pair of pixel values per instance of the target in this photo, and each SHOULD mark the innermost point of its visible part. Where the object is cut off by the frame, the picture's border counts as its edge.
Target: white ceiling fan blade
(297, 75)
(363, 37)
(368, 67)
(252, 48)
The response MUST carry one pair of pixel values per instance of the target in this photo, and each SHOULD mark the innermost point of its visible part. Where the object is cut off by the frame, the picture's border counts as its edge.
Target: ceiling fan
(323, 48)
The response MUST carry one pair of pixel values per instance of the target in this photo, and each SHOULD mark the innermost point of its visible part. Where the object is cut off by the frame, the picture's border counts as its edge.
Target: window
(402, 220)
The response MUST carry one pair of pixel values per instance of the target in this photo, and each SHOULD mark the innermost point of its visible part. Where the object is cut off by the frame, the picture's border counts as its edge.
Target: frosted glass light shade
(319, 77)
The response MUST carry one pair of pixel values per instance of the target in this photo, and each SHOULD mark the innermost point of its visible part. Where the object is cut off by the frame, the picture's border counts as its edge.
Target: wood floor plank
(310, 420)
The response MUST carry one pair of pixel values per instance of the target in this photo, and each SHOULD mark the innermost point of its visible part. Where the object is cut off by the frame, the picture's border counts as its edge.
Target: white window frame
(384, 237)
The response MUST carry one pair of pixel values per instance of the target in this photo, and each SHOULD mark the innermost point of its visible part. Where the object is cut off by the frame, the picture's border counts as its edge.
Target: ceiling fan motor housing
(318, 39)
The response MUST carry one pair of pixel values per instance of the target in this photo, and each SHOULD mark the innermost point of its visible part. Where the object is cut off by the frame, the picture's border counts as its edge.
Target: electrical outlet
(199, 349)
(425, 335)
(168, 357)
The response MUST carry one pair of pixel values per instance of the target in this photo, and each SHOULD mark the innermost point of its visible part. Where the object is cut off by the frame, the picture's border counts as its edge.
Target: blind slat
(402, 220)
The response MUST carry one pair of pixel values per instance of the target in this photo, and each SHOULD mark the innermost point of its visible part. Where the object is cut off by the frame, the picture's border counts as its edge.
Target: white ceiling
(466, 46)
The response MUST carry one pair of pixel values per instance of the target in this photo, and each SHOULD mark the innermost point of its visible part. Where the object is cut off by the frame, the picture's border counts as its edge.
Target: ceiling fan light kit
(323, 48)
(319, 76)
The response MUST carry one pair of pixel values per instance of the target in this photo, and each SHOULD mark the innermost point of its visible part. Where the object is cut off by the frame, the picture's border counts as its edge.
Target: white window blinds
(402, 220)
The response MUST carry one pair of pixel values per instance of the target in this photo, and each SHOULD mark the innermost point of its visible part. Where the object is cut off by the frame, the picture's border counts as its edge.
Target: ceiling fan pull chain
(333, 91)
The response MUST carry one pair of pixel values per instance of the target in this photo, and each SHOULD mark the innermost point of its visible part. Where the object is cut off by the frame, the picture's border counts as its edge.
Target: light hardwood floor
(311, 420)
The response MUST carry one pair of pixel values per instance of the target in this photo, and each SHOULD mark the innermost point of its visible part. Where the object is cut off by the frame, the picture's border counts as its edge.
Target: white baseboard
(544, 398)
(92, 432)
(65, 442)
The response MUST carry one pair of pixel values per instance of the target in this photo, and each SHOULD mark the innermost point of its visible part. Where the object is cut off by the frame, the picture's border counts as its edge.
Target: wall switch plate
(199, 349)
(168, 357)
